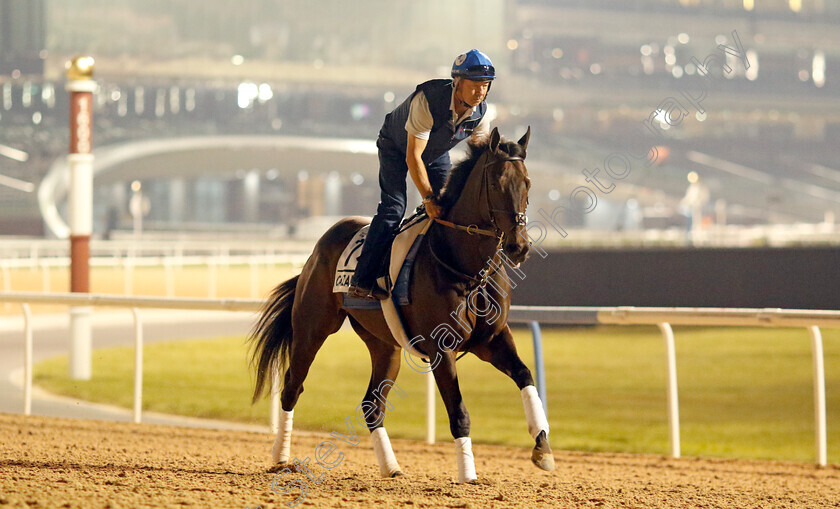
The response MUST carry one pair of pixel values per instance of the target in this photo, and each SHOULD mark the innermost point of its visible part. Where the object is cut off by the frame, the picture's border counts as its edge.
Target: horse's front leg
(500, 351)
(459, 420)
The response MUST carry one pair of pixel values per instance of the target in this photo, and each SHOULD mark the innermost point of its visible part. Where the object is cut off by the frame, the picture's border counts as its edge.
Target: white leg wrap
(388, 465)
(466, 462)
(534, 411)
(283, 442)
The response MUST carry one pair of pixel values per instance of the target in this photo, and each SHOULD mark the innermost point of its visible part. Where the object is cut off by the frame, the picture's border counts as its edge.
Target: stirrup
(373, 292)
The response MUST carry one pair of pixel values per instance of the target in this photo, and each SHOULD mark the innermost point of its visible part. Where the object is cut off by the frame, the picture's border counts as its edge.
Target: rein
(519, 218)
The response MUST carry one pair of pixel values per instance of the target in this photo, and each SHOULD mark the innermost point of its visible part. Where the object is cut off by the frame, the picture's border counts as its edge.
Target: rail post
(138, 365)
(539, 367)
(27, 359)
(673, 398)
(819, 395)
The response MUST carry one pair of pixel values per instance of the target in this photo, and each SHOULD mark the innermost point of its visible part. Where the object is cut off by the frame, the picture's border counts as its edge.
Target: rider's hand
(432, 208)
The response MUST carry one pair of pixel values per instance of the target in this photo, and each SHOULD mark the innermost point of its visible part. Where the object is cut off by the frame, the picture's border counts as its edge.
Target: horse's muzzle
(517, 252)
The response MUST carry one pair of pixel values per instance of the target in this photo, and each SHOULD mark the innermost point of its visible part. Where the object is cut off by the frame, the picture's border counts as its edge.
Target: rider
(416, 138)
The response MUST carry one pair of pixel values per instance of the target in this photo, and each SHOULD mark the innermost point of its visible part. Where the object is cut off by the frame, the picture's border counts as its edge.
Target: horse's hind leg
(385, 366)
(309, 334)
(500, 351)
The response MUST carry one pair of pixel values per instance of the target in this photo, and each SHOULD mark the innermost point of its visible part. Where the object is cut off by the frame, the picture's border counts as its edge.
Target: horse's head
(487, 194)
(507, 186)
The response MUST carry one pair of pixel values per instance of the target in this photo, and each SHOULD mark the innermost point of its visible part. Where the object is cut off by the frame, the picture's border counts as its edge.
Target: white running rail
(662, 317)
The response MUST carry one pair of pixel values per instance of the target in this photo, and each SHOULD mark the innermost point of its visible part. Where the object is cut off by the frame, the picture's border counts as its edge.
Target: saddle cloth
(403, 253)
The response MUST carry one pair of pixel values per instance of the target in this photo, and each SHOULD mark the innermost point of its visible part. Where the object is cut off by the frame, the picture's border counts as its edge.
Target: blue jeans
(392, 203)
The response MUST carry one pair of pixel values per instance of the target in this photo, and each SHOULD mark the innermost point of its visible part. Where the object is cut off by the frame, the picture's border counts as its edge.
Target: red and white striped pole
(81, 86)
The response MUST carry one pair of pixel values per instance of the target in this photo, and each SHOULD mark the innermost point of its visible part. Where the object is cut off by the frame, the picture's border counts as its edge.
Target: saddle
(401, 256)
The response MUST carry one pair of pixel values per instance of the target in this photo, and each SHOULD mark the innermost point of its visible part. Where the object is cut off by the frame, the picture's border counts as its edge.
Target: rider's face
(473, 92)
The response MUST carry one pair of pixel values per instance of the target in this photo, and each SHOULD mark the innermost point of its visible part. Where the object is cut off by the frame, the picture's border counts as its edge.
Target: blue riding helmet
(474, 65)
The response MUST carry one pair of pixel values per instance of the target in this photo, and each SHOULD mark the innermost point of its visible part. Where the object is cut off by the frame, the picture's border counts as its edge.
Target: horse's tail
(272, 335)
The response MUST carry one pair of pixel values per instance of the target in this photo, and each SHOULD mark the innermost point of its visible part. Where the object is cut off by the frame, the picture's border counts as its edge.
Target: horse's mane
(461, 171)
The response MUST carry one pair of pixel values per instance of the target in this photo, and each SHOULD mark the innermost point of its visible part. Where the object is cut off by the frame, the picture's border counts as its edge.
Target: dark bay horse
(460, 296)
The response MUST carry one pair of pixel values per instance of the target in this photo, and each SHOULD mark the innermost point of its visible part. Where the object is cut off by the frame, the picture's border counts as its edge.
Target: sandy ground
(49, 462)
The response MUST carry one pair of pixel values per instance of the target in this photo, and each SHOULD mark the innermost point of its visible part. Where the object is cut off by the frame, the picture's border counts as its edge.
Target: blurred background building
(300, 78)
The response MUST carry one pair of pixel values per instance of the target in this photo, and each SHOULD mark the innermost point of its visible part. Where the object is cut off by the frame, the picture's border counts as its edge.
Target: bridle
(519, 219)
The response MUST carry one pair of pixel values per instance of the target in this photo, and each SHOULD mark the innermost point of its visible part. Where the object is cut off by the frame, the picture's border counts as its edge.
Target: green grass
(743, 392)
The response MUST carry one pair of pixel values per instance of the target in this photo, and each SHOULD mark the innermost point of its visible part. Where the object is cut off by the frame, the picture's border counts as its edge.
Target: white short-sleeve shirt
(419, 123)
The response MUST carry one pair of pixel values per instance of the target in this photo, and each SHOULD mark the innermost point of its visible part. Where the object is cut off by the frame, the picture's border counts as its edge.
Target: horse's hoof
(542, 456)
(398, 473)
(280, 465)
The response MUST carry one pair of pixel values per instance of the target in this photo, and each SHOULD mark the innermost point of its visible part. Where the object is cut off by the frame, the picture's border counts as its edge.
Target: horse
(459, 276)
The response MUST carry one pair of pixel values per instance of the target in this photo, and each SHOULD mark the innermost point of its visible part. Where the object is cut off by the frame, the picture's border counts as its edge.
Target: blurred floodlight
(247, 92)
(803, 75)
(595, 69)
(160, 102)
(749, 5)
(700, 116)
(276, 124)
(237, 60)
(720, 39)
(646, 50)
(683, 38)
(512, 44)
(37, 117)
(175, 100)
(189, 99)
(139, 100)
(26, 95)
(677, 72)
(818, 68)
(20, 185)
(752, 58)
(557, 53)
(359, 111)
(136, 186)
(272, 174)
(670, 59)
(795, 5)
(693, 177)
(13, 153)
(668, 50)
(661, 118)
(48, 95)
(357, 178)
(554, 195)
(389, 97)
(265, 93)
(7, 96)
(557, 114)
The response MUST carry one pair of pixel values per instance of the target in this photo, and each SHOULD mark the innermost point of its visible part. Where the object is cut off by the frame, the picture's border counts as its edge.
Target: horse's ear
(495, 138)
(523, 141)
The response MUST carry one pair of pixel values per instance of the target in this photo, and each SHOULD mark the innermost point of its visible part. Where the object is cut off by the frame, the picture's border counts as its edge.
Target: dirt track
(47, 462)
